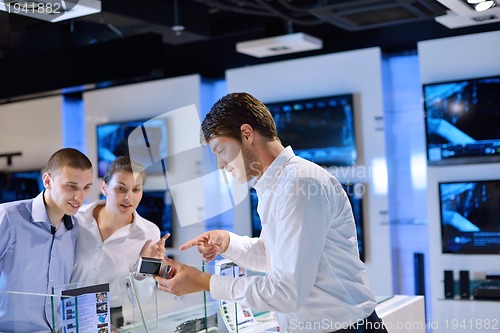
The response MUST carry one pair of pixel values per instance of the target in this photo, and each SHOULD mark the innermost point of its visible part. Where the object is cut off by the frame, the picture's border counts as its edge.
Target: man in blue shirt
(37, 243)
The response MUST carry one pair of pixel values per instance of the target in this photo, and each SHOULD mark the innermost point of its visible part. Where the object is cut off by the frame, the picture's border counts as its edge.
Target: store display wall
(444, 60)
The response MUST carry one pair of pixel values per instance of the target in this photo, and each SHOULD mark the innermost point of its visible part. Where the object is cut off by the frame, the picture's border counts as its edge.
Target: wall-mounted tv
(318, 129)
(145, 141)
(354, 193)
(462, 121)
(19, 185)
(470, 217)
(157, 207)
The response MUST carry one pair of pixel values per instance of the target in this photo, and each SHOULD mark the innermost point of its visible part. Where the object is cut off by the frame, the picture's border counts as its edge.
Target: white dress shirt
(110, 260)
(315, 280)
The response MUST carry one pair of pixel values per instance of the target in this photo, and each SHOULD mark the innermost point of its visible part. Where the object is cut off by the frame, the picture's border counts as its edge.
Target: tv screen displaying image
(462, 121)
(318, 129)
(157, 207)
(354, 193)
(145, 141)
(19, 185)
(470, 217)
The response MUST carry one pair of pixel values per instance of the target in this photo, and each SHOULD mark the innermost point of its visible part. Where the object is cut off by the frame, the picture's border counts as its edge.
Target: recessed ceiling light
(484, 5)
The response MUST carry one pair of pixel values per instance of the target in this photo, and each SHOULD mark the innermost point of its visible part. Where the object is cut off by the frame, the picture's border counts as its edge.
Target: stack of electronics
(489, 289)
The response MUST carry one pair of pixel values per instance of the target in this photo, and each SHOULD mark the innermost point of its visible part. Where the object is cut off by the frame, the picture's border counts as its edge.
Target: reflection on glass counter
(78, 308)
(84, 307)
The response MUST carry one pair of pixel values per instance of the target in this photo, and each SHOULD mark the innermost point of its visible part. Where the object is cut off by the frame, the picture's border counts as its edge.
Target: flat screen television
(318, 129)
(462, 121)
(145, 141)
(470, 217)
(19, 185)
(157, 207)
(354, 193)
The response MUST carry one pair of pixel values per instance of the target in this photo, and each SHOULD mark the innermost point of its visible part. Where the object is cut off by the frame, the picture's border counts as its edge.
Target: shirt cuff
(219, 287)
(232, 249)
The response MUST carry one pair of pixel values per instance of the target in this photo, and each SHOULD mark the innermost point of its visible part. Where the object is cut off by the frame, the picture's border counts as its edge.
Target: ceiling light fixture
(285, 44)
(51, 10)
(481, 5)
(463, 13)
(484, 5)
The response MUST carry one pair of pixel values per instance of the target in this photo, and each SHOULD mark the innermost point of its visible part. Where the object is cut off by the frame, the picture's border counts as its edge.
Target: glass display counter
(128, 304)
(21, 315)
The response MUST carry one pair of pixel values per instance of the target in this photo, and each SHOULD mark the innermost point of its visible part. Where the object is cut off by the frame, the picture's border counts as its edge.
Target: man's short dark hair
(69, 157)
(233, 110)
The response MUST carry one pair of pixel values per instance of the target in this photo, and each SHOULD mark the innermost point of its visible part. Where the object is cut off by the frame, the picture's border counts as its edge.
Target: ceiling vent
(367, 14)
(51, 10)
(463, 15)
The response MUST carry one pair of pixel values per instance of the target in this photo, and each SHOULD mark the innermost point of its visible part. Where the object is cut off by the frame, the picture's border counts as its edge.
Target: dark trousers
(372, 324)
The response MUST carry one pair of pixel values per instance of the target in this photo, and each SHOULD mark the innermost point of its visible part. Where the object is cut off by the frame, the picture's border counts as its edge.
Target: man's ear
(247, 132)
(47, 181)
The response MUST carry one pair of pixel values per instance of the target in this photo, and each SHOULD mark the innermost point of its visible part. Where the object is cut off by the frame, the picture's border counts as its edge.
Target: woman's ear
(104, 189)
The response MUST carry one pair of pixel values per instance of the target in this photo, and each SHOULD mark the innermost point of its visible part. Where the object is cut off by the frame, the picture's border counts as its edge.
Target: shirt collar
(274, 170)
(39, 211)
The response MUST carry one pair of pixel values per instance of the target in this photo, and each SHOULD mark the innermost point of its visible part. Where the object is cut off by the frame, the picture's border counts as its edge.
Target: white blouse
(110, 260)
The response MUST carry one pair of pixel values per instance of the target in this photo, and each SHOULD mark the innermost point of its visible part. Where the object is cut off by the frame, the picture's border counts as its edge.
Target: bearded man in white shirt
(315, 281)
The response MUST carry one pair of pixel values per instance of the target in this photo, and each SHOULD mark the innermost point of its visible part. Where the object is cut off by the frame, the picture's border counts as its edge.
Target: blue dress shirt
(32, 260)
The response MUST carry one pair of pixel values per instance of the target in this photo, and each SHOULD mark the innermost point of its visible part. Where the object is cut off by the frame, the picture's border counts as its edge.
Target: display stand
(235, 316)
(85, 306)
(82, 307)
